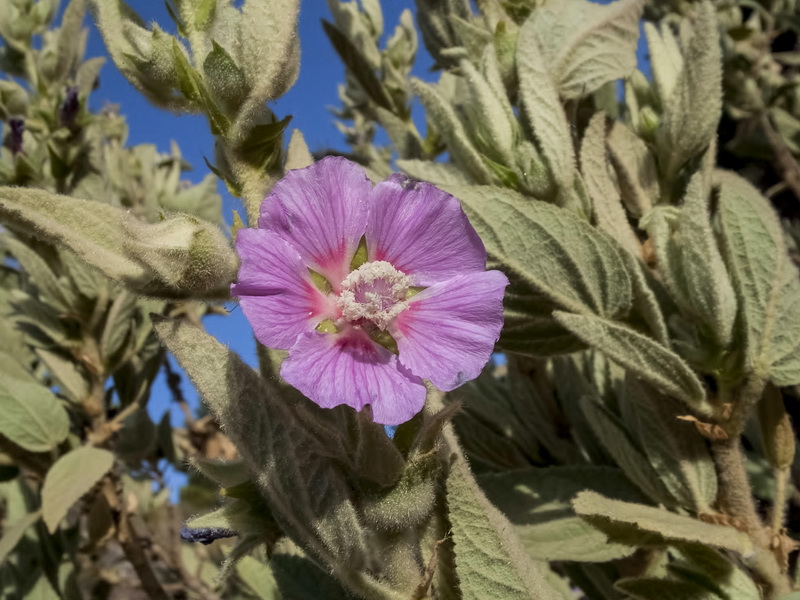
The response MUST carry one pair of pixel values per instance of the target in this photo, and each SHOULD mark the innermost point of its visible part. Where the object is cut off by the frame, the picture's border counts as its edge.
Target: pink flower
(366, 329)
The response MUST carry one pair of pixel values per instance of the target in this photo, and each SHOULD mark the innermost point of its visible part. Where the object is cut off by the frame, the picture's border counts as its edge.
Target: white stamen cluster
(376, 292)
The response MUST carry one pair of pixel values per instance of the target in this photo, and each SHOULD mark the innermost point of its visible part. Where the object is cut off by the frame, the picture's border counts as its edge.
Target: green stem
(779, 503)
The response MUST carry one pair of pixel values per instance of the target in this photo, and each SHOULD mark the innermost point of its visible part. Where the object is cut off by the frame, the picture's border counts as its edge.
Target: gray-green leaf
(617, 441)
(452, 131)
(693, 109)
(765, 279)
(608, 207)
(69, 478)
(13, 532)
(640, 354)
(587, 44)
(180, 257)
(626, 523)
(542, 106)
(537, 500)
(31, 416)
(490, 560)
(304, 487)
(258, 577)
(675, 448)
(553, 258)
(692, 264)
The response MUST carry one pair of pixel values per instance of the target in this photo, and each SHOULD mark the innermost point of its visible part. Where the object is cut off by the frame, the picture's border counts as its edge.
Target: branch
(784, 161)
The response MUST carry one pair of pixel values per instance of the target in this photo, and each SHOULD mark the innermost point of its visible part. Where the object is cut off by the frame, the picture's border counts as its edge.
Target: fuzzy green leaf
(640, 354)
(435, 172)
(177, 258)
(698, 563)
(536, 500)
(69, 478)
(675, 448)
(441, 113)
(635, 167)
(270, 53)
(66, 372)
(31, 416)
(553, 258)
(542, 106)
(490, 560)
(693, 109)
(765, 279)
(224, 78)
(608, 208)
(586, 44)
(614, 436)
(299, 578)
(13, 533)
(304, 487)
(492, 122)
(359, 66)
(652, 588)
(625, 522)
(225, 473)
(691, 262)
(665, 57)
(297, 155)
(38, 271)
(258, 577)
(144, 57)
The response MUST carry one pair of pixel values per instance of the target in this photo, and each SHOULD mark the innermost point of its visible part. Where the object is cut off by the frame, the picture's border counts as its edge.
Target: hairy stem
(737, 495)
(779, 504)
(735, 487)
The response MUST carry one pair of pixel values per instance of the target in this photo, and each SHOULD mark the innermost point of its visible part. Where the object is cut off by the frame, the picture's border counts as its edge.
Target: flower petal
(449, 329)
(275, 289)
(349, 368)
(422, 231)
(321, 211)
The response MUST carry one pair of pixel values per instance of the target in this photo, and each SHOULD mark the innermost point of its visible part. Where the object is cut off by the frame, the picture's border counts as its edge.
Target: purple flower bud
(17, 127)
(68, 114)
(206, 535)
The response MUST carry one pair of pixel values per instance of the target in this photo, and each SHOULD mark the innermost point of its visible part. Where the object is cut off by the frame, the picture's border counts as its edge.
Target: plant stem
(737, 495)
(133, 546)
(780, 501)
(783, 160)
(735, 487)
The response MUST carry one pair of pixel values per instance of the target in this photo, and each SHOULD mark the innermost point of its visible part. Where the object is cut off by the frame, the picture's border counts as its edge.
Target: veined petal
(449, 329)
(275, 289)
(349, 368)
(422, 231)
(322, 212)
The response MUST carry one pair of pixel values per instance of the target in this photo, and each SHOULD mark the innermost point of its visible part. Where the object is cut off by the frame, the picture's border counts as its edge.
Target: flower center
(375, 292)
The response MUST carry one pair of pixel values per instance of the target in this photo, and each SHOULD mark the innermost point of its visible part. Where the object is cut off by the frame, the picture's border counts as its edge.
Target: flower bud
(648, 121)
(68, 112)
(16, 129)
(776, 429)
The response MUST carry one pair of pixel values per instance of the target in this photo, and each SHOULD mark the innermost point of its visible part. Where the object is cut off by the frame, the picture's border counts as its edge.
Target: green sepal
(360, 257)
(327, 326)
(262, 145)
(322, 283)
(385, 339)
